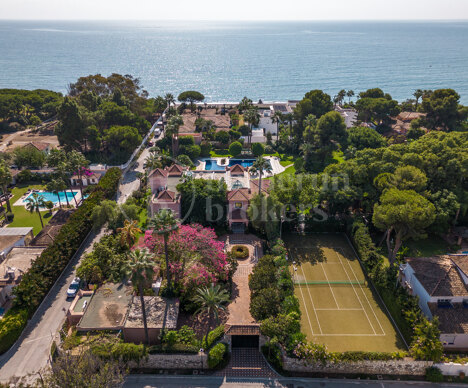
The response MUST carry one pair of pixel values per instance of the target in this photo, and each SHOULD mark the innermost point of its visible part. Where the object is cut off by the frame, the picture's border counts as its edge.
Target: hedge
(216, 355)
(46, 269)
(174, 349)
(213, 336)
(240, 251)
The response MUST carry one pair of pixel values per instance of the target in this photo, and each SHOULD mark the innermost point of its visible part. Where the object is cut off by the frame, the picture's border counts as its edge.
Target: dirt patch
(200, 324)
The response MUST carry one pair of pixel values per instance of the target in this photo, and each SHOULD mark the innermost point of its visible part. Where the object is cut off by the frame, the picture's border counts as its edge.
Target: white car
(74, 287)
(157, 132)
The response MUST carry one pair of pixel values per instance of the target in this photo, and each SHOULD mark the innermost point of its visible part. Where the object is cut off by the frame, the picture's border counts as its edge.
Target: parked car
(73, 288)
(157, 132)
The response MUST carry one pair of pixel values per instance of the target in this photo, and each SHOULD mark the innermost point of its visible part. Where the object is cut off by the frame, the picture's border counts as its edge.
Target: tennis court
(338, 307)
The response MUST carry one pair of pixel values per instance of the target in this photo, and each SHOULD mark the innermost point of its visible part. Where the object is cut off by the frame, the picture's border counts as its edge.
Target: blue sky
(235, 10)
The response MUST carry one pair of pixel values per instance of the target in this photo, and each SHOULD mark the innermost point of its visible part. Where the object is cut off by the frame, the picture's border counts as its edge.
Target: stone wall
(173, 361)
(393, 367)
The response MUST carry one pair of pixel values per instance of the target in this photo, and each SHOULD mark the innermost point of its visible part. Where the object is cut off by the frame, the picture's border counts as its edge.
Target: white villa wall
(458, 342)
(267, 124)
(417, 289)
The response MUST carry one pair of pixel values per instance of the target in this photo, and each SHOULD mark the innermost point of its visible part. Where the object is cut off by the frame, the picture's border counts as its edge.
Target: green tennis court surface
(338, 307)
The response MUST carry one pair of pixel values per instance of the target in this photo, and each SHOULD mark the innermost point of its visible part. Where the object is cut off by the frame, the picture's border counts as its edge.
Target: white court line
(305, 305)
(329, 286)
(339, 309)
(367, 299)
(357, 296)
(349, 335)
(313, 305)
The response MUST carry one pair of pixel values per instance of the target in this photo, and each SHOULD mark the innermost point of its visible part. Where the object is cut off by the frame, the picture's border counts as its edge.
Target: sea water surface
(228, 60)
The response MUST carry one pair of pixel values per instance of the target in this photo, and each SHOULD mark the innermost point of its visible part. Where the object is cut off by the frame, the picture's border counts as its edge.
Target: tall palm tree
(129, 233)
(140, 269)
(349, 94)
(277, 118)
(170, 99)
(77, 163)
(164, 223)
(211, 301)
(172, 130)
(245, 104)
(53, 187)
(260, 166)
(253, 118)
(59, 159)
(5, 180)
(34, 203)
(310, 121)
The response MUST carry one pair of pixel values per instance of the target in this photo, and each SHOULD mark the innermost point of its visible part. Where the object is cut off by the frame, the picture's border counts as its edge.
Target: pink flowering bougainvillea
(196, 257)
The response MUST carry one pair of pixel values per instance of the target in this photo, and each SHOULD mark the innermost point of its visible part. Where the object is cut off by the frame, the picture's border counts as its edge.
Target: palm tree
(211, 301)
(310, 121)
(170, 99)
(34, 204)
(259, 166)
(5, 180)
(129, 233)
(164, 223)
(53, 187)
(245, 104)
(77, 163)
(252, 117)
(140, 269)
(152, 161)
(172, 130)
(349, 94)
(277, 118)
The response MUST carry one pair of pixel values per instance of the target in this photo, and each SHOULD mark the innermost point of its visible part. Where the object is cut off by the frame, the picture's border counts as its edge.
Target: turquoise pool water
(48, 196)
(211, 165)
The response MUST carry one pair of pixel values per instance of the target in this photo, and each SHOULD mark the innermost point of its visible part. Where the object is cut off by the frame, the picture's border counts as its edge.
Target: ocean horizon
(226, 60)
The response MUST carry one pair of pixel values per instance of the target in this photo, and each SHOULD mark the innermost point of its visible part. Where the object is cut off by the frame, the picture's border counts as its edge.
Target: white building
(441, 284)
(266, 122)
(349, 115)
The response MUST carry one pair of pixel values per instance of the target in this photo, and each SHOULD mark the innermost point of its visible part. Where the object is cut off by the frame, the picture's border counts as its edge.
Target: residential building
(39, 145)
(161, 313)
(14, 237)
(91, 178)
(163, 183)
(441, 284)
(16, 263)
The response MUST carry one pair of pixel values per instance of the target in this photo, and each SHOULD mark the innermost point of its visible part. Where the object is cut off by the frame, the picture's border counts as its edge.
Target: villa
(441, 284)
(235, 172)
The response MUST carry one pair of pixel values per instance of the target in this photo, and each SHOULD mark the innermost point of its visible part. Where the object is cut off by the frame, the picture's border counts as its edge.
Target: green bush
(213, 336)
(216, 355)
(240, 251)
(175, 349)
(434, 375)
(11, 327)
(9, 217)
(205, 148)
(258, 149)
(45, 270)
(273, 354)
(235, 148)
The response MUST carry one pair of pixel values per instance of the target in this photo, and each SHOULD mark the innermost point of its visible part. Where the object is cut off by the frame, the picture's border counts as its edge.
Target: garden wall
(173, 361)
(392, 367)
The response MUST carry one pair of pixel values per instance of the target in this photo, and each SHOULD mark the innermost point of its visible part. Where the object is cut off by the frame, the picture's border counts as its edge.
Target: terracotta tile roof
(239, 195)
(438, 275)
(243, 330)
(461, 262)
(166, 196)
(237, 169)
(410, 116)
(265, 185)
(175, 170)
(159, 172)
(38, 145)
(451, 320)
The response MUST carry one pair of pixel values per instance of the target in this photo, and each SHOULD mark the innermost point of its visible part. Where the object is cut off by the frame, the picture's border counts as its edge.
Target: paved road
(150, 381)
(31, 353)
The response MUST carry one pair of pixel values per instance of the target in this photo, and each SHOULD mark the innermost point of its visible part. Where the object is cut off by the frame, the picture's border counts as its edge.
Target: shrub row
(45, 270)
(216, 355)
(174, 349)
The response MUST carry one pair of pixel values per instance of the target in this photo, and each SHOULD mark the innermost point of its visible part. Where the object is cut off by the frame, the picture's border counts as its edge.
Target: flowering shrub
(196, 257)
(311, 352)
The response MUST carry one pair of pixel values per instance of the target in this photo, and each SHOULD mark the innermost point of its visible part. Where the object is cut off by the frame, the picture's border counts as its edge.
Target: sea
(272, 61)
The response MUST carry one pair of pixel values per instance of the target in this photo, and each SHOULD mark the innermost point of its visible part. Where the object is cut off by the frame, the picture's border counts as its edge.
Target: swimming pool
(211, 165)
(48, 196)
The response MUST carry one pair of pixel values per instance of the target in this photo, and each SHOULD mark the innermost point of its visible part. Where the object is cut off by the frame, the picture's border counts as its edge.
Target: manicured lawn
(220, 154)
(22, 216)
(431, 246)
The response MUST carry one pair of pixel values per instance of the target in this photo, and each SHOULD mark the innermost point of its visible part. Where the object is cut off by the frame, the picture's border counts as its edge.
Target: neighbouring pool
(48, 196)
(211, 165)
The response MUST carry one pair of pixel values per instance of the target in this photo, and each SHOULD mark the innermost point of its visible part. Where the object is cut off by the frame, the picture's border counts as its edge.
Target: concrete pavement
(173, 381)
(31, 352)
